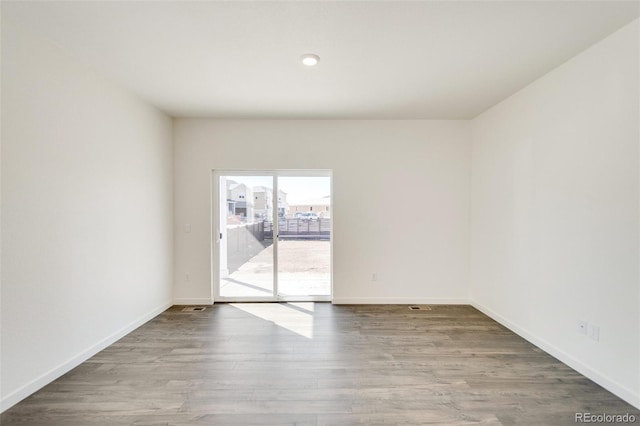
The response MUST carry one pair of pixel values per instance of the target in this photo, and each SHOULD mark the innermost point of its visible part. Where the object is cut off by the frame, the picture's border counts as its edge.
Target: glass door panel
(304, 236)
(246, 258)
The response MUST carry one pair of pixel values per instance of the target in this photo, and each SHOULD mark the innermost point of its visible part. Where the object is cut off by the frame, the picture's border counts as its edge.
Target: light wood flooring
(318, 364)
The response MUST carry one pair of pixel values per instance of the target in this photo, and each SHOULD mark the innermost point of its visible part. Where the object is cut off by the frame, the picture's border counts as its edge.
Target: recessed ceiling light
(310, 59)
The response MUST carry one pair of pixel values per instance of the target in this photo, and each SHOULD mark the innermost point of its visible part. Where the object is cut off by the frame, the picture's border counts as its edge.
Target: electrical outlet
(187, 277)
(582, 327)
(374, 276)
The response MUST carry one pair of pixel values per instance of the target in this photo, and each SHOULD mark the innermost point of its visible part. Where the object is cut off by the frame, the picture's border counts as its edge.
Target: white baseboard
(48, 377)
(612, 386)
(398, 301)
(193, 301)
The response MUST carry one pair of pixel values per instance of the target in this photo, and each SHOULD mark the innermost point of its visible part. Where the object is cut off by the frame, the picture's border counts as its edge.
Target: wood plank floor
(318, 364)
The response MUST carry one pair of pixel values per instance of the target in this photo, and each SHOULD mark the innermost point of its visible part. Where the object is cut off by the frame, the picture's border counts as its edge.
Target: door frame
(215, 231)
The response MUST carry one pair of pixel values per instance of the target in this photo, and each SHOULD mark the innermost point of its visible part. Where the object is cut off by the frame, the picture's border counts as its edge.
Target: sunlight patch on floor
(295, 317)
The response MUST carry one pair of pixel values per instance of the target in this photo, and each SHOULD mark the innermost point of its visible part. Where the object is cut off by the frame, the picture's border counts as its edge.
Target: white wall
(555, 218)
(401, 200)
(86, 212)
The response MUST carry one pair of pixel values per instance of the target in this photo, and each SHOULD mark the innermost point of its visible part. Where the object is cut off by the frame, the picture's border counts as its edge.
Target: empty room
(320, 212)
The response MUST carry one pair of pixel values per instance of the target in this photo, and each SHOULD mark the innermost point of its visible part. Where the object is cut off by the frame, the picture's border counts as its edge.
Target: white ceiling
(379, 59)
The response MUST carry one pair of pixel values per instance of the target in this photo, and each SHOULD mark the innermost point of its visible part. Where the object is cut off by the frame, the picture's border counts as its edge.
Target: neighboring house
(321, 206)
(239, 200)
(263, 202)
(282, 203)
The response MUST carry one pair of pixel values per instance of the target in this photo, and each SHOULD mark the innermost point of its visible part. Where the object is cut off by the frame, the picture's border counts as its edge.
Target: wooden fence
(318, 229)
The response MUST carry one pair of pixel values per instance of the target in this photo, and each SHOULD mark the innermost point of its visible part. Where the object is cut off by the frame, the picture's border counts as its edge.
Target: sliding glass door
(272, 235)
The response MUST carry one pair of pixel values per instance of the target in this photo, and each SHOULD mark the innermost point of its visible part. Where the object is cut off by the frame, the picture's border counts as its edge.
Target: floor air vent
(193, 309)
(420, 308)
